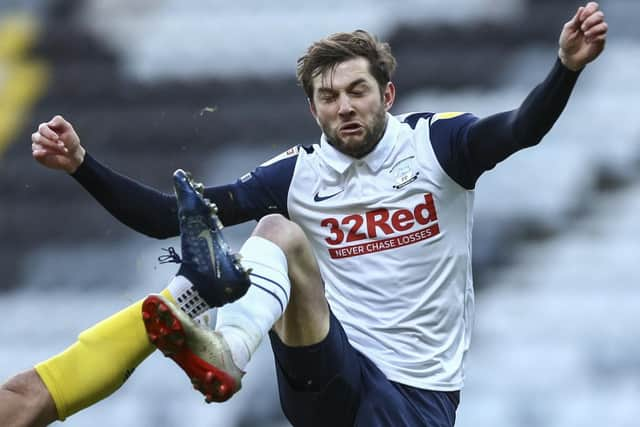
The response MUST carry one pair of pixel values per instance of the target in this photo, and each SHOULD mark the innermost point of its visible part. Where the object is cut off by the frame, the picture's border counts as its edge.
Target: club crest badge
(404, 172)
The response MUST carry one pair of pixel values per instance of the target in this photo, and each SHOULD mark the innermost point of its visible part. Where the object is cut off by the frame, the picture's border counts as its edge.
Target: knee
(284, 233)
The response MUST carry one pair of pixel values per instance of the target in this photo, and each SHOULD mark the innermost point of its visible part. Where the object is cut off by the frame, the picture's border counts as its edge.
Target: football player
(359, 269)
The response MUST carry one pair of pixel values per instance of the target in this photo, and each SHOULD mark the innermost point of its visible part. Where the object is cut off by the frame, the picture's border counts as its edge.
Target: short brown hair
(325, 54)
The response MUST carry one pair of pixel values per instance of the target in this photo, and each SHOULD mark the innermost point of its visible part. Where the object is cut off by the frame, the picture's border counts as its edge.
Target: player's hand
(56, 145)
(583, 37)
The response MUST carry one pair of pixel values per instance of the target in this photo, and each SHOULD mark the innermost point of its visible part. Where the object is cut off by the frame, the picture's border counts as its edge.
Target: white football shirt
(392, 235)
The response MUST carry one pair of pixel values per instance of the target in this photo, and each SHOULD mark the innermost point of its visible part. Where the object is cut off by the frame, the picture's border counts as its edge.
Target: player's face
(350, 107)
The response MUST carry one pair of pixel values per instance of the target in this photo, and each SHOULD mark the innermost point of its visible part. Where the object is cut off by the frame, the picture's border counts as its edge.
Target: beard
(373, 132)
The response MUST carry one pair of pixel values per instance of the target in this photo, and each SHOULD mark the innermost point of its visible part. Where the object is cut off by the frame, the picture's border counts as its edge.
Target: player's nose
(344, 105)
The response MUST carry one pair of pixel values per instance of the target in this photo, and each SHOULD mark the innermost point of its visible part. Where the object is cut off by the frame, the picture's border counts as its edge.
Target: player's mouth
(351, 128)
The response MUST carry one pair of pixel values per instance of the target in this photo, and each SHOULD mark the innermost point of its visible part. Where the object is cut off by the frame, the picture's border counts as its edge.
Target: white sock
(244, 322)
(187, 297)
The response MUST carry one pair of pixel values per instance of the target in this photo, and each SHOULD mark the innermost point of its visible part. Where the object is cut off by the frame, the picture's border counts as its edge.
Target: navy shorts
(331, 384)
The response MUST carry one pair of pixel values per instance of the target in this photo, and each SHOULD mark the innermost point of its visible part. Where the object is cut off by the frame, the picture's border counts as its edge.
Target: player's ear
(389, 96)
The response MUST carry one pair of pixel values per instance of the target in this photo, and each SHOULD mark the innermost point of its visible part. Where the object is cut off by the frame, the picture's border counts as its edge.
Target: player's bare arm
(583, 37)
(56, 145)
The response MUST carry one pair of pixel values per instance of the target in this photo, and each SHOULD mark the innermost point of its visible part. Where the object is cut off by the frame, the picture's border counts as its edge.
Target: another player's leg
(95, 366)
(99, 362)
(26, 402)
(202, 353)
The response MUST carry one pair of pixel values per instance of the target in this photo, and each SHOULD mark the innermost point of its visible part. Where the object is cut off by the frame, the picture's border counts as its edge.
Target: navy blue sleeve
(449, 134)
(154, 213)
(136, 205)
(261, 192)
(467, 146)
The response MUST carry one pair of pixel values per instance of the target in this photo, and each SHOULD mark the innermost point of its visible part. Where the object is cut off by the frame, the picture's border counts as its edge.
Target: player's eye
(327, 97)
(359, 90)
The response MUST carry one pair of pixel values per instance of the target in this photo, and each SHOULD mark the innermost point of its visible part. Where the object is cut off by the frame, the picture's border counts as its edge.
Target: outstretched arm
(57, 145)
(581, 41)
(136, 205)
(484, 143)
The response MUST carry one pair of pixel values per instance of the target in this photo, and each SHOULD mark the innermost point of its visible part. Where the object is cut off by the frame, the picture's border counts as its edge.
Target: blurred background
(153, 85)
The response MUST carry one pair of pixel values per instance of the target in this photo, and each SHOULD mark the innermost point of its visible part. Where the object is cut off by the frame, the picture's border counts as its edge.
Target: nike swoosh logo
(204, 234)
(318, 198)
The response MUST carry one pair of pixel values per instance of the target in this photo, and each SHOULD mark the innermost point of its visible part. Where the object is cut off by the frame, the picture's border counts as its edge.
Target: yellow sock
(98, 363)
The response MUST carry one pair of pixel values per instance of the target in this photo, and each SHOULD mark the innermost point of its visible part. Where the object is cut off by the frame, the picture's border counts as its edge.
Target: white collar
(340, 162)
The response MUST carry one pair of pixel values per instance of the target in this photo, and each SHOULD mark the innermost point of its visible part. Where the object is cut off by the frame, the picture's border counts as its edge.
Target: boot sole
(166, 332)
